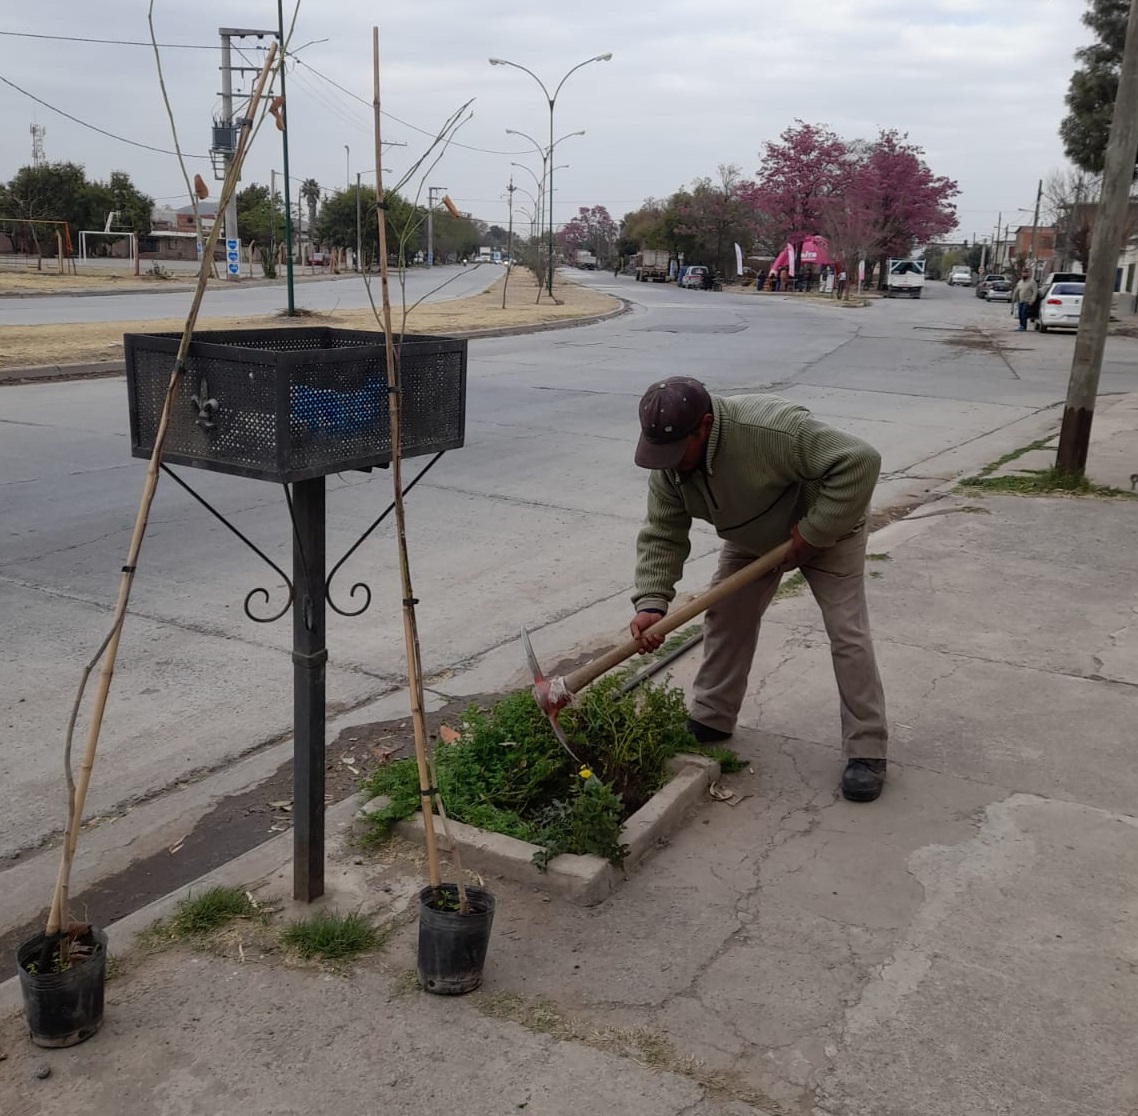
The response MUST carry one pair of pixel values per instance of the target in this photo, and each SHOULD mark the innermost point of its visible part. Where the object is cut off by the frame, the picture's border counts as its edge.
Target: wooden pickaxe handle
(761, 566)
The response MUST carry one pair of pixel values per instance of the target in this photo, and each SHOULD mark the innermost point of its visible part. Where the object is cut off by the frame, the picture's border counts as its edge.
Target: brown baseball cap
(670, 410)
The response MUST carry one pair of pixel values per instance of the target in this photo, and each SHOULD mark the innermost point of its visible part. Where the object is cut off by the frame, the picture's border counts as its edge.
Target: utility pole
(1110, 221)
(431, 192)
(509, 239)
(1034, 228)
(997, 247)
(225, 138)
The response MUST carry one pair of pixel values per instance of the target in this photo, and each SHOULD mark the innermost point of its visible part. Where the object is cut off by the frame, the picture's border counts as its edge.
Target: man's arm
(662, 546)
(845, 469)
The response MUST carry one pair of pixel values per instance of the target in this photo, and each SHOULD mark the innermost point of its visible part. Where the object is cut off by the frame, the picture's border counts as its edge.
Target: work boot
(863, 779)
(705, 734)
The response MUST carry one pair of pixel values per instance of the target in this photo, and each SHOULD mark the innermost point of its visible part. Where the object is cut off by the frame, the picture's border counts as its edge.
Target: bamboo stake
(394, 386)
(77, 792)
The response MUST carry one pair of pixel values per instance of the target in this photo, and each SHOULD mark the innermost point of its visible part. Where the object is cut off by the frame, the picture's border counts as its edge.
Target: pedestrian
(761, 470)
(842, 283)
(1024, 296)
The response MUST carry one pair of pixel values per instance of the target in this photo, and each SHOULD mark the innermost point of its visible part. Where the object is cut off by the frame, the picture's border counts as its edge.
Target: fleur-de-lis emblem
(207, 407)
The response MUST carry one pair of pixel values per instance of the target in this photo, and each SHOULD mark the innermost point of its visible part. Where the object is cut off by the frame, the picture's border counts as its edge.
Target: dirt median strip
(95, 342)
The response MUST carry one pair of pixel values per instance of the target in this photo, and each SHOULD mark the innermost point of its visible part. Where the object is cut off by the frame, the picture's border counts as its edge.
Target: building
(173, 235)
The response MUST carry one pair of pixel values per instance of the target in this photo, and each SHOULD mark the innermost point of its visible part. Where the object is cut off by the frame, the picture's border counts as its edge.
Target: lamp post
(552, 100)
(546, 155)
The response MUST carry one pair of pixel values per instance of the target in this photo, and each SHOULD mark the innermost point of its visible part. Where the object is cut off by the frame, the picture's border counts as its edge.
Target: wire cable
(93, 128)
(107, 42)
(391, 116)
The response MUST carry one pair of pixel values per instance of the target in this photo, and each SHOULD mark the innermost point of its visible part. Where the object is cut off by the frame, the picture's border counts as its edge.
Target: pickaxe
(553, 694)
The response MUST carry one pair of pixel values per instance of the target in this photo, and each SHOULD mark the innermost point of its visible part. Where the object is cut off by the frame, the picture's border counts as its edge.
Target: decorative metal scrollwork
(359, 585)
(259, 591)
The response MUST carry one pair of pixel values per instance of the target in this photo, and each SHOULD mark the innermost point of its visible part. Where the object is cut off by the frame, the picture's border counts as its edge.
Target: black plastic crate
(287, 404)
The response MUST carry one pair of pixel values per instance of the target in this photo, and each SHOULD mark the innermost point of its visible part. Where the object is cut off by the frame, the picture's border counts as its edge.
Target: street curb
(247, 870)
(90, 370)
(584, 880)
(98, 369)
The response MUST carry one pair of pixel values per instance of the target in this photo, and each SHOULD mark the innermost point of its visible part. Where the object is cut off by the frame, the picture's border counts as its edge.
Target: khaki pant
(731, 631)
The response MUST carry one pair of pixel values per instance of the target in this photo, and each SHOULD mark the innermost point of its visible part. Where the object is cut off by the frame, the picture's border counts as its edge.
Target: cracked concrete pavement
(964, 945)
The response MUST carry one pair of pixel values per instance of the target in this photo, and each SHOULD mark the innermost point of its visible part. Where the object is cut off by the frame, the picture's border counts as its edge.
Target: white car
(1060, 307)
(960, 276)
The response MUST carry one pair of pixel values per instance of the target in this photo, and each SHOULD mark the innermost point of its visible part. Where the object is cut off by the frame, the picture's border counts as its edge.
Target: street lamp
(552, 100)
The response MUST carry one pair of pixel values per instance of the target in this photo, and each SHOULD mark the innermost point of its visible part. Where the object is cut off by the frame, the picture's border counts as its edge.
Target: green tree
(61, 192)
(261, 221)
(1094, 86)
(403, 224)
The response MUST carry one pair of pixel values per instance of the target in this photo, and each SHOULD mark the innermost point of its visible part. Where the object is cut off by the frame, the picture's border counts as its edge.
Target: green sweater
(769, 464)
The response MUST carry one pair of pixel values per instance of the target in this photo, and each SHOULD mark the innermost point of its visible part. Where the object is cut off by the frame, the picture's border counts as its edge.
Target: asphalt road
(532, 521)
(342, 293)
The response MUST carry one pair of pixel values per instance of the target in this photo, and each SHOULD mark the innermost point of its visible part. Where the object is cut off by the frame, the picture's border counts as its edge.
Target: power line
(93, 128)
(108, 42)
(391, 116)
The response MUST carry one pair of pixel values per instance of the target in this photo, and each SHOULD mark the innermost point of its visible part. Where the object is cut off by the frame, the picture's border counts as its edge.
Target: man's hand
(800, 551)
(641, 622)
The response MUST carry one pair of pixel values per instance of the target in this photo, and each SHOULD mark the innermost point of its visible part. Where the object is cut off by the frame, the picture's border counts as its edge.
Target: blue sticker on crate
(323, 411)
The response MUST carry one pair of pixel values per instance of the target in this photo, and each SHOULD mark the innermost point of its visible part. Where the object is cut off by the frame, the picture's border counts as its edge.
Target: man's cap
(670, 410)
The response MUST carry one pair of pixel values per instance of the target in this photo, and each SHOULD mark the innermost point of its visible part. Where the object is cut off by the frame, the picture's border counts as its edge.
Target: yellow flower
(585, 773)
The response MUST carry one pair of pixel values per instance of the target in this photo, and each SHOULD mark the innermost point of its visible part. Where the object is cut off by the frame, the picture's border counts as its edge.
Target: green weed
(1042, 482)
(201, 915)
(508, 774)
(331, 937)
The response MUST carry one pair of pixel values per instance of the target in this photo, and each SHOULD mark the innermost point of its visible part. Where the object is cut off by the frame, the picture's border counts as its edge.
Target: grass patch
(332, 937)
(1042, 482)
(507, 773)
(201, 915)
(879, 557)
(1039, 443)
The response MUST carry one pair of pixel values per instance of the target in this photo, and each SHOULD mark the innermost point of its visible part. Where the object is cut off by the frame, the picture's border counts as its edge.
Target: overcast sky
(978, 84)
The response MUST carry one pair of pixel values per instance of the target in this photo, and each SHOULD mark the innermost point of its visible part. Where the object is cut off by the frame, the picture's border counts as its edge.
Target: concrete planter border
(585, 880)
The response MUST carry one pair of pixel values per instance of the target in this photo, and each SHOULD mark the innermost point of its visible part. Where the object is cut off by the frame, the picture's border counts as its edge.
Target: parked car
(999, 290)
(1060, 307)
(960, 276)
(982, 286)
(694, 277)
(1053, 277)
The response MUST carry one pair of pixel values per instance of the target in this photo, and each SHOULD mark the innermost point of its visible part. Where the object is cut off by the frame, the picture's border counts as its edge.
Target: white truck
(585, 259)
(652, 264)
(905, 277)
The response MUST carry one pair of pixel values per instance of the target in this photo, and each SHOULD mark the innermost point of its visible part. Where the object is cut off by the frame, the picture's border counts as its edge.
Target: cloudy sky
(692, 84)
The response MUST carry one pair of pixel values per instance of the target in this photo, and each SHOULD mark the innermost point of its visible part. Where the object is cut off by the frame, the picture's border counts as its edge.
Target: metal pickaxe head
(551, 694)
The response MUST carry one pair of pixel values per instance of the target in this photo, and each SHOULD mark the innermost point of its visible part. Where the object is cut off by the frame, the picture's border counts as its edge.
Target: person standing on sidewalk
(1024, 296)
(761, 470)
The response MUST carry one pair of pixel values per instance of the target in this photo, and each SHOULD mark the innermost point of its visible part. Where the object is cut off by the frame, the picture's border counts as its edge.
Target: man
(1024, 296)
(761, 470)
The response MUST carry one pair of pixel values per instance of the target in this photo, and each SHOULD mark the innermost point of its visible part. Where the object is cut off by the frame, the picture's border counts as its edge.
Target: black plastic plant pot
(64, 1009)
(452, 946)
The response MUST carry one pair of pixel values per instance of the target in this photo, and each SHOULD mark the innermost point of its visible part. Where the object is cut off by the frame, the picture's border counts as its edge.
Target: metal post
(309, 656)
(1035, 226)
(359, 226)
(431, 192)
(284, 144)
(550, 264)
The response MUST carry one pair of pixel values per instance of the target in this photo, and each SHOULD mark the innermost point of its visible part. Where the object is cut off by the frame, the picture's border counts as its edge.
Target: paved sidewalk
(964, 946)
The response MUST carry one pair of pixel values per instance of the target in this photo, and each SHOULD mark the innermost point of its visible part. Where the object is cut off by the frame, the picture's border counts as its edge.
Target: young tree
(1094, 86)
(808, 165)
